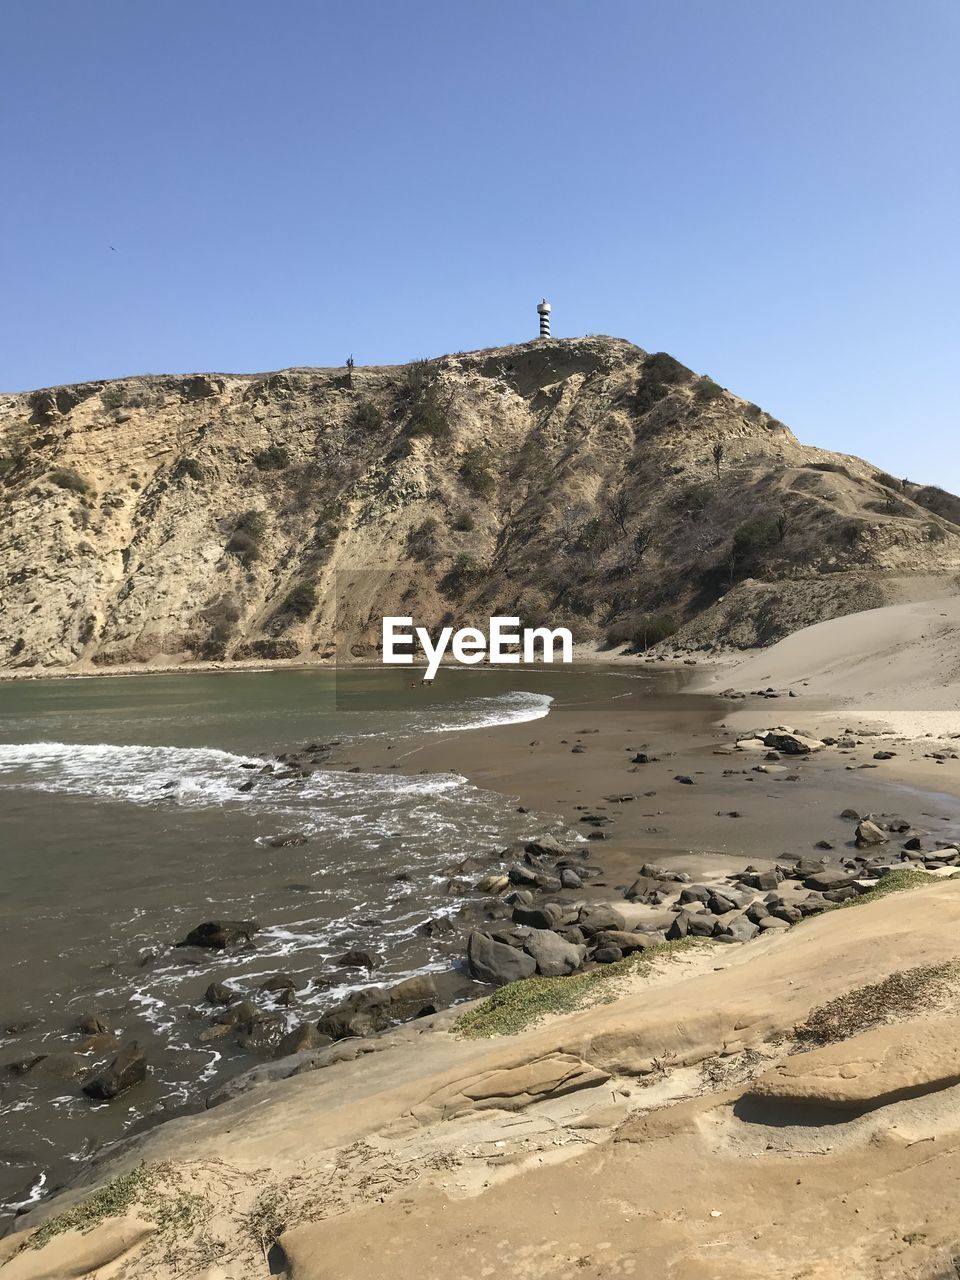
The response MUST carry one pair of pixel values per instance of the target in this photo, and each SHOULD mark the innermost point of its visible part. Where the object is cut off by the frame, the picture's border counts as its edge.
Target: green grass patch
(175, 1212)
(893, 882)
(110, 1201)
(519, 1005)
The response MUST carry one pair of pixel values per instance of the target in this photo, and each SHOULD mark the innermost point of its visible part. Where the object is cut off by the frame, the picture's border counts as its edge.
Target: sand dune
(898, 667)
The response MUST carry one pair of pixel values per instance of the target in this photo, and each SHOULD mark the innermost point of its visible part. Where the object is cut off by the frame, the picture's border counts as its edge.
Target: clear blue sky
(768, 190)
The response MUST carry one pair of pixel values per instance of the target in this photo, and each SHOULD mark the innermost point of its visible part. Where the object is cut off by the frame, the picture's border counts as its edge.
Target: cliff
(583, 481)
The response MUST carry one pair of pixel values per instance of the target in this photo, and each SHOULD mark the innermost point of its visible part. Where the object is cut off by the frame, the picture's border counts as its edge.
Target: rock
(569, 879)
(438, 927)
(553, 955)
(57, 1066)
(739, 929)
(495, 962)
(874, 1069)
(694, 893)
(607, 955)
(493, 884)
(93, 1024)
(884, 755)
(545, 846)
(762, 880)
(127, 1069)
(786, 912)
(217, 935)
(641, 888)
(868, 833)
(598, 917)
(301, 1039)
(627, 941)
(821, 881)
(773, 922)
(701, 924)
(685, 779)
(720, 904)
(217, 993)
(792, 744)
(290, 840)
(243, 1013)
(364, 1013)
(756, 912)
(279, 982)
(840, 895)
(264, 1035)
(360, 959)
(546, 916)
(851, 815)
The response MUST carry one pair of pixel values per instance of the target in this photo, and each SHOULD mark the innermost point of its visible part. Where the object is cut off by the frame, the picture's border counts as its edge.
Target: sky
(767, 190)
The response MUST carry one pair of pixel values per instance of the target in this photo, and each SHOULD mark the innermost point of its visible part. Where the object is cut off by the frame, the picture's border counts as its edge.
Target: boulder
(364, 1013)
(792, 744)
(493, 884)
(279, 982)
(607, 955)
(360, 959)
(739, 929)
(569, 879)
(546, 916)
(300, 1039)
(695, 893)
(545, 846)
(127, 1069)
(598, 917)
(822, 881)
(497, 963)
(217, 993)
(554, 956)
(218, 935)
(93, 1024)
(868, 833)
(626, 941)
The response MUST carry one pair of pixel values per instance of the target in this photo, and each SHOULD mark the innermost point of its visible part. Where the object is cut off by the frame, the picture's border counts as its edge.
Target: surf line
(502, 642)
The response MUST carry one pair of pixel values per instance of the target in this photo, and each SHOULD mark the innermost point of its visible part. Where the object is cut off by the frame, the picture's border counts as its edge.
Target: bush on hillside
(67, 478)
(274, 458)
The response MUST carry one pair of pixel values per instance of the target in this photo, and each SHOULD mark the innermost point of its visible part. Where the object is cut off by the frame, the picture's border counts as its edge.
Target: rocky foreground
(787, 1108)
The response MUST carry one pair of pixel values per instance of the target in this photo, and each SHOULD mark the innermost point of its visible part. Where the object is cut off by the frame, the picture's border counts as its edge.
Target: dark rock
(438, 927)
(360, 959)
(495, 962)
(739, 929)
(685, 779)
(217, 935)
(607, 955)
(570, 880)
(93, 1024)
(546, 916)
(217, 993)
(821, 881)
(840, 895)
(720, 904)
(300, 1039)
(288, 841)
(279, 982)
(364, 1013)
(127, 1069)
(695, 893)
(626, 940)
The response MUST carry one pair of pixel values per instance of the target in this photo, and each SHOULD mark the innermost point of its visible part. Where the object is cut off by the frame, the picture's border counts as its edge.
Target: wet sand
(579, 764)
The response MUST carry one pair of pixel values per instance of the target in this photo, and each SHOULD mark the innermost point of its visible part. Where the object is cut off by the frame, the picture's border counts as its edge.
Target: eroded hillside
(160, 519)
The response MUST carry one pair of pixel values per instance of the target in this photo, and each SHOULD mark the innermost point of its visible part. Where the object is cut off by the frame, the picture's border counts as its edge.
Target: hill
(583, 482)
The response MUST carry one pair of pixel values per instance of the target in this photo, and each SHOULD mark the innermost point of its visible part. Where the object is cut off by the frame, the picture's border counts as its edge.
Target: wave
(504, 708)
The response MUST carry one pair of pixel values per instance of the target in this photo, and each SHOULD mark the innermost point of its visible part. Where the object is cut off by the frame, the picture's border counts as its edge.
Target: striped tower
(543, 311)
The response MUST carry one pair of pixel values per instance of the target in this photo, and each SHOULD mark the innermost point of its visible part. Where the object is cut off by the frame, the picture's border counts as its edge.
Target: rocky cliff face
(579, 481)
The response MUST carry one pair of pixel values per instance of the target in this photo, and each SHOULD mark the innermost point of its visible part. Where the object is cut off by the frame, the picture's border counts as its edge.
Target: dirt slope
(162, 518)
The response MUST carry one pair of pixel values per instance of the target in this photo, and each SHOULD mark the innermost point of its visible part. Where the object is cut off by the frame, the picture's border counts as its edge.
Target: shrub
(422, 541)
(465, 572)
(273, 458)
(244, 542)
(653, 628)
(67, 478)
(113, 395)
(300, 600)
(660, 374)
(429, 415)
(365, 416)
(464, 522)
(706, 391)
(888, 481)
(935, 532)
(188, 467)
(694, 498)
(475, 471)
(754, 537)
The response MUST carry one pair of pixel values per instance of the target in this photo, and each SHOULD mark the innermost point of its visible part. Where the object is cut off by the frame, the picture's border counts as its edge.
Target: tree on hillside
(717, 453)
